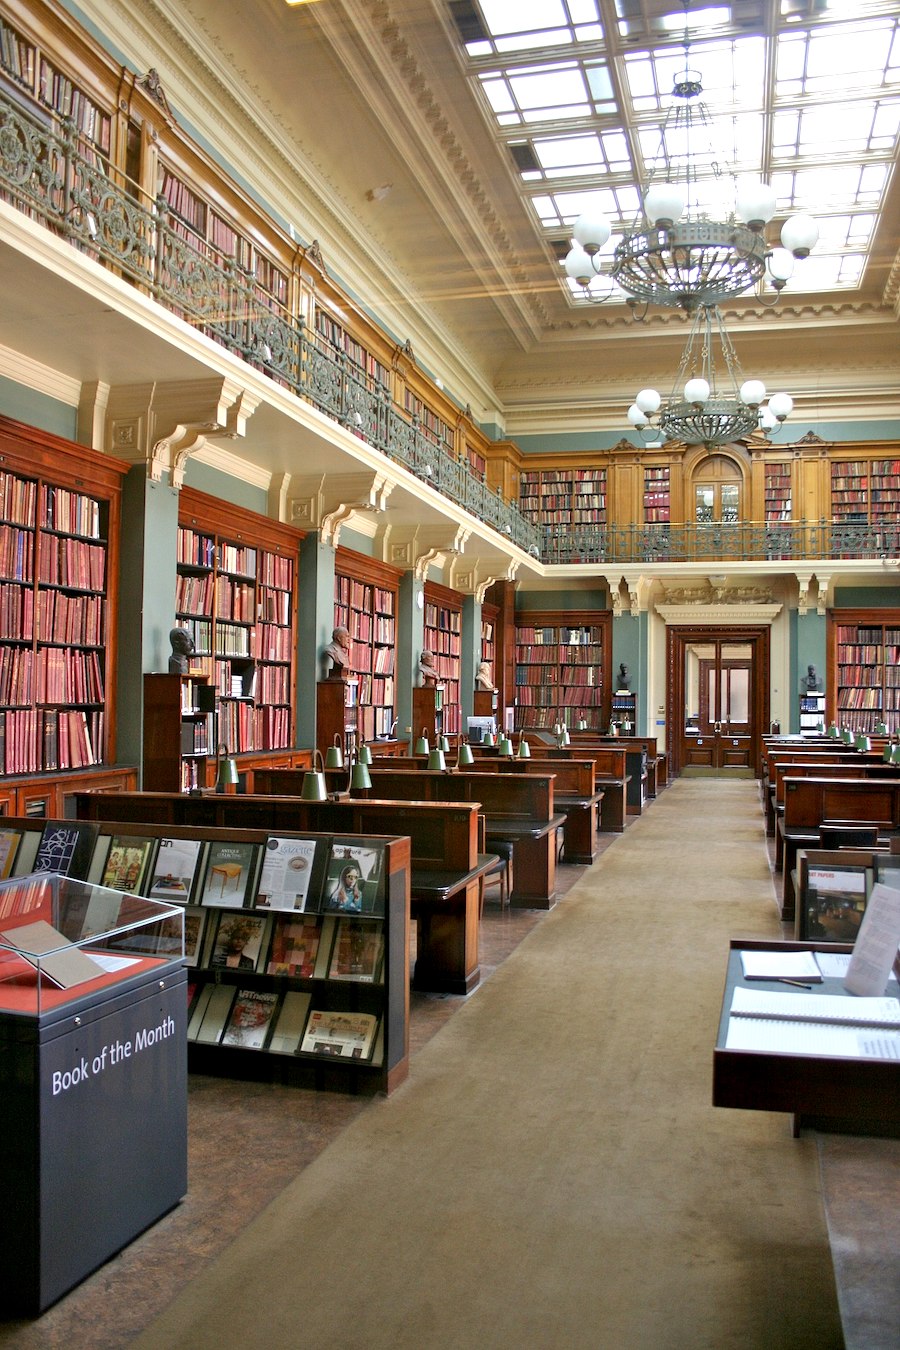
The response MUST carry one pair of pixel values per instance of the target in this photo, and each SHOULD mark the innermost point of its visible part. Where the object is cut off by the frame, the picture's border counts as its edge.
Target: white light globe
(752, 393)
(696, 391)
(648, 400)
(636, 417)
(579, 266)
(780, 406)
(664, 204)
(591, 232)
(799, 234)
(780, 264)
(755, 204)
(767, 420)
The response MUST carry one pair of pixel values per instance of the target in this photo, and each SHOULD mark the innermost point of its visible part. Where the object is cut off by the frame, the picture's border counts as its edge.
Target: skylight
(809, 101)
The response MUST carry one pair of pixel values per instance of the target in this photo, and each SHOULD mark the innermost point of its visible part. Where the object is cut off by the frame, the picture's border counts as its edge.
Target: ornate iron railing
(48, 174)
(748, 541)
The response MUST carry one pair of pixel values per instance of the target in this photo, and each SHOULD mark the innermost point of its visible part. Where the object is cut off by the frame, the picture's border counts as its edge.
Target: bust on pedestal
(182, 647)
(336, 656)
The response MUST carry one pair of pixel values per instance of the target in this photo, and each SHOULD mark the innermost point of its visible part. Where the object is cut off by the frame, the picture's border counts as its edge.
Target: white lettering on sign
(115, 1053)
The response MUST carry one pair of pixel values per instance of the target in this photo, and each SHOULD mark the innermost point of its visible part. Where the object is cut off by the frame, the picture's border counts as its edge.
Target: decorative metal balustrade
(52, 177)
(748, 541)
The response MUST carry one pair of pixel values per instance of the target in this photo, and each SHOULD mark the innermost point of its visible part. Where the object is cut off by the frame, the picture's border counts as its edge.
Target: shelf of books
(58, 581)
(369, 370)
(777, 492)
(297, 946)
(37, 72)
(864, 658)
(365, 603)
(431, 424)
(623, 711)
(865, 491)
(812, 714)
(563, 496)
(443, 637)
(656, 494)
(561, 671)
(237, 600)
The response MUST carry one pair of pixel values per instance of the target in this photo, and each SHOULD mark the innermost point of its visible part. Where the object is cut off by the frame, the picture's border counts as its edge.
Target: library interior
(449, 567)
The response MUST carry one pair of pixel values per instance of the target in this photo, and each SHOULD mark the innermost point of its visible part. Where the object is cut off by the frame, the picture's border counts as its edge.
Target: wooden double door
(718, 697)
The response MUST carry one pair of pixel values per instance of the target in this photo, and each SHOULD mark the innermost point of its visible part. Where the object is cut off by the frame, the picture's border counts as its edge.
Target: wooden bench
(656, 759)
(774, 760)
(518, 809)
(810, 801)
(610, 776)
(575, 795)
(842, 767)
(446, 865)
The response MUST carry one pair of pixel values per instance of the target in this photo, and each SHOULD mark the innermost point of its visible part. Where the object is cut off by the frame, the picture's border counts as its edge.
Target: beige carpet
(553, 1175)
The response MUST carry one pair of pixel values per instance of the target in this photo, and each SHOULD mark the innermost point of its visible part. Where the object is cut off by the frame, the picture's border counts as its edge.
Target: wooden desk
(610, 776)
(844, 1093)
(815, 767)
(443, 839)
(809, 801)
(574, 794)
(518, 809)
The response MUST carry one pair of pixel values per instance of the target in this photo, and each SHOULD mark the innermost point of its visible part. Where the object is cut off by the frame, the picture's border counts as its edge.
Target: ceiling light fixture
(699, 411)
(682, 251)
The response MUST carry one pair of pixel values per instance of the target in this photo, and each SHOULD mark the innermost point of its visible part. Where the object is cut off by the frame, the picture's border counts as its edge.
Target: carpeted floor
(552, 1174)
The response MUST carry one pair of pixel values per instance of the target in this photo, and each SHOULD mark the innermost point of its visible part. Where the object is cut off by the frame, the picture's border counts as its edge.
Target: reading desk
(839, 1091)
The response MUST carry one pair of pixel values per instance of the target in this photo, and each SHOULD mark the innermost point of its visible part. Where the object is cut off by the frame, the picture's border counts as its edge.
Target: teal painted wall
(38, 410)
(867, 597)
(147, 579)
(529, 600)
(806, 648)
(630, 638)
(218, 484)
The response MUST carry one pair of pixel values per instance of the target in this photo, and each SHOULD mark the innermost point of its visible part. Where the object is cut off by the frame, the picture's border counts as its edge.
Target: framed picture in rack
(835, 902)
(127, 863)
(354, 880)
(175, 870)
(9, 847)
(238, 941)
(194, 924)
(249, 1019)
(294, 947)
(230, 876)
(288, 877)
(357, 952)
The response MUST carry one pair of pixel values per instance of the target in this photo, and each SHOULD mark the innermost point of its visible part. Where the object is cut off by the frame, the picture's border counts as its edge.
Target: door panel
(722, 679)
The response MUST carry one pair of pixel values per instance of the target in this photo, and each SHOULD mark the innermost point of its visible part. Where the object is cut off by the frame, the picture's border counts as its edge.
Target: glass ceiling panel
(813, 107)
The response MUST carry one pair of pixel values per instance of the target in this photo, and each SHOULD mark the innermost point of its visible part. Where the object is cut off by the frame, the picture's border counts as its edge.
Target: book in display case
(94, 1078)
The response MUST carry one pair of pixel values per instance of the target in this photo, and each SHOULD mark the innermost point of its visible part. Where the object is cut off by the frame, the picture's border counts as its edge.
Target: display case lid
(61, 938)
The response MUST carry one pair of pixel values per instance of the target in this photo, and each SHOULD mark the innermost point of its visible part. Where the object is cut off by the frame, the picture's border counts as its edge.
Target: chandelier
(699, 411)
(684, 251)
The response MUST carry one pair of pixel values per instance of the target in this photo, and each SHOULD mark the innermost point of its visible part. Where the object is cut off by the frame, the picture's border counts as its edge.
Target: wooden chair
(848, 834)
(499, 875)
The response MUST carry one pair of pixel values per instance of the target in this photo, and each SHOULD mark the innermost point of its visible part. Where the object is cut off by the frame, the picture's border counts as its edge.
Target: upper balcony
(48, 173)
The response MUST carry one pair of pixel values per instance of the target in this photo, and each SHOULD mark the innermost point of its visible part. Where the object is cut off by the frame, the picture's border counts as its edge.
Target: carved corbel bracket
(803, 581)
(638, 591)
(476, 579)
(161, 425)
(325, 502)
(822, 585)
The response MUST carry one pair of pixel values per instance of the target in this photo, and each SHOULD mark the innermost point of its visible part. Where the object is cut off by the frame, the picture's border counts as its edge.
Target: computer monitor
(478, 727)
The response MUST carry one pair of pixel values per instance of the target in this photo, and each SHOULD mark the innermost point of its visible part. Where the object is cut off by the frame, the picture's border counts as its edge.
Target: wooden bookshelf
(443, 637)
(59, 549)
(365, 603)
(657, 502)
(864, 666)
(566, 496)
(865, 492)
(67, 90)
(562, 670)
(236, 594)
(368, 368)
(777, 492)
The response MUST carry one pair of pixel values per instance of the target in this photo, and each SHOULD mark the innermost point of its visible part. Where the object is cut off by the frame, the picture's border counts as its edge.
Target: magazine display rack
(275, 928)
(93, 1073)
